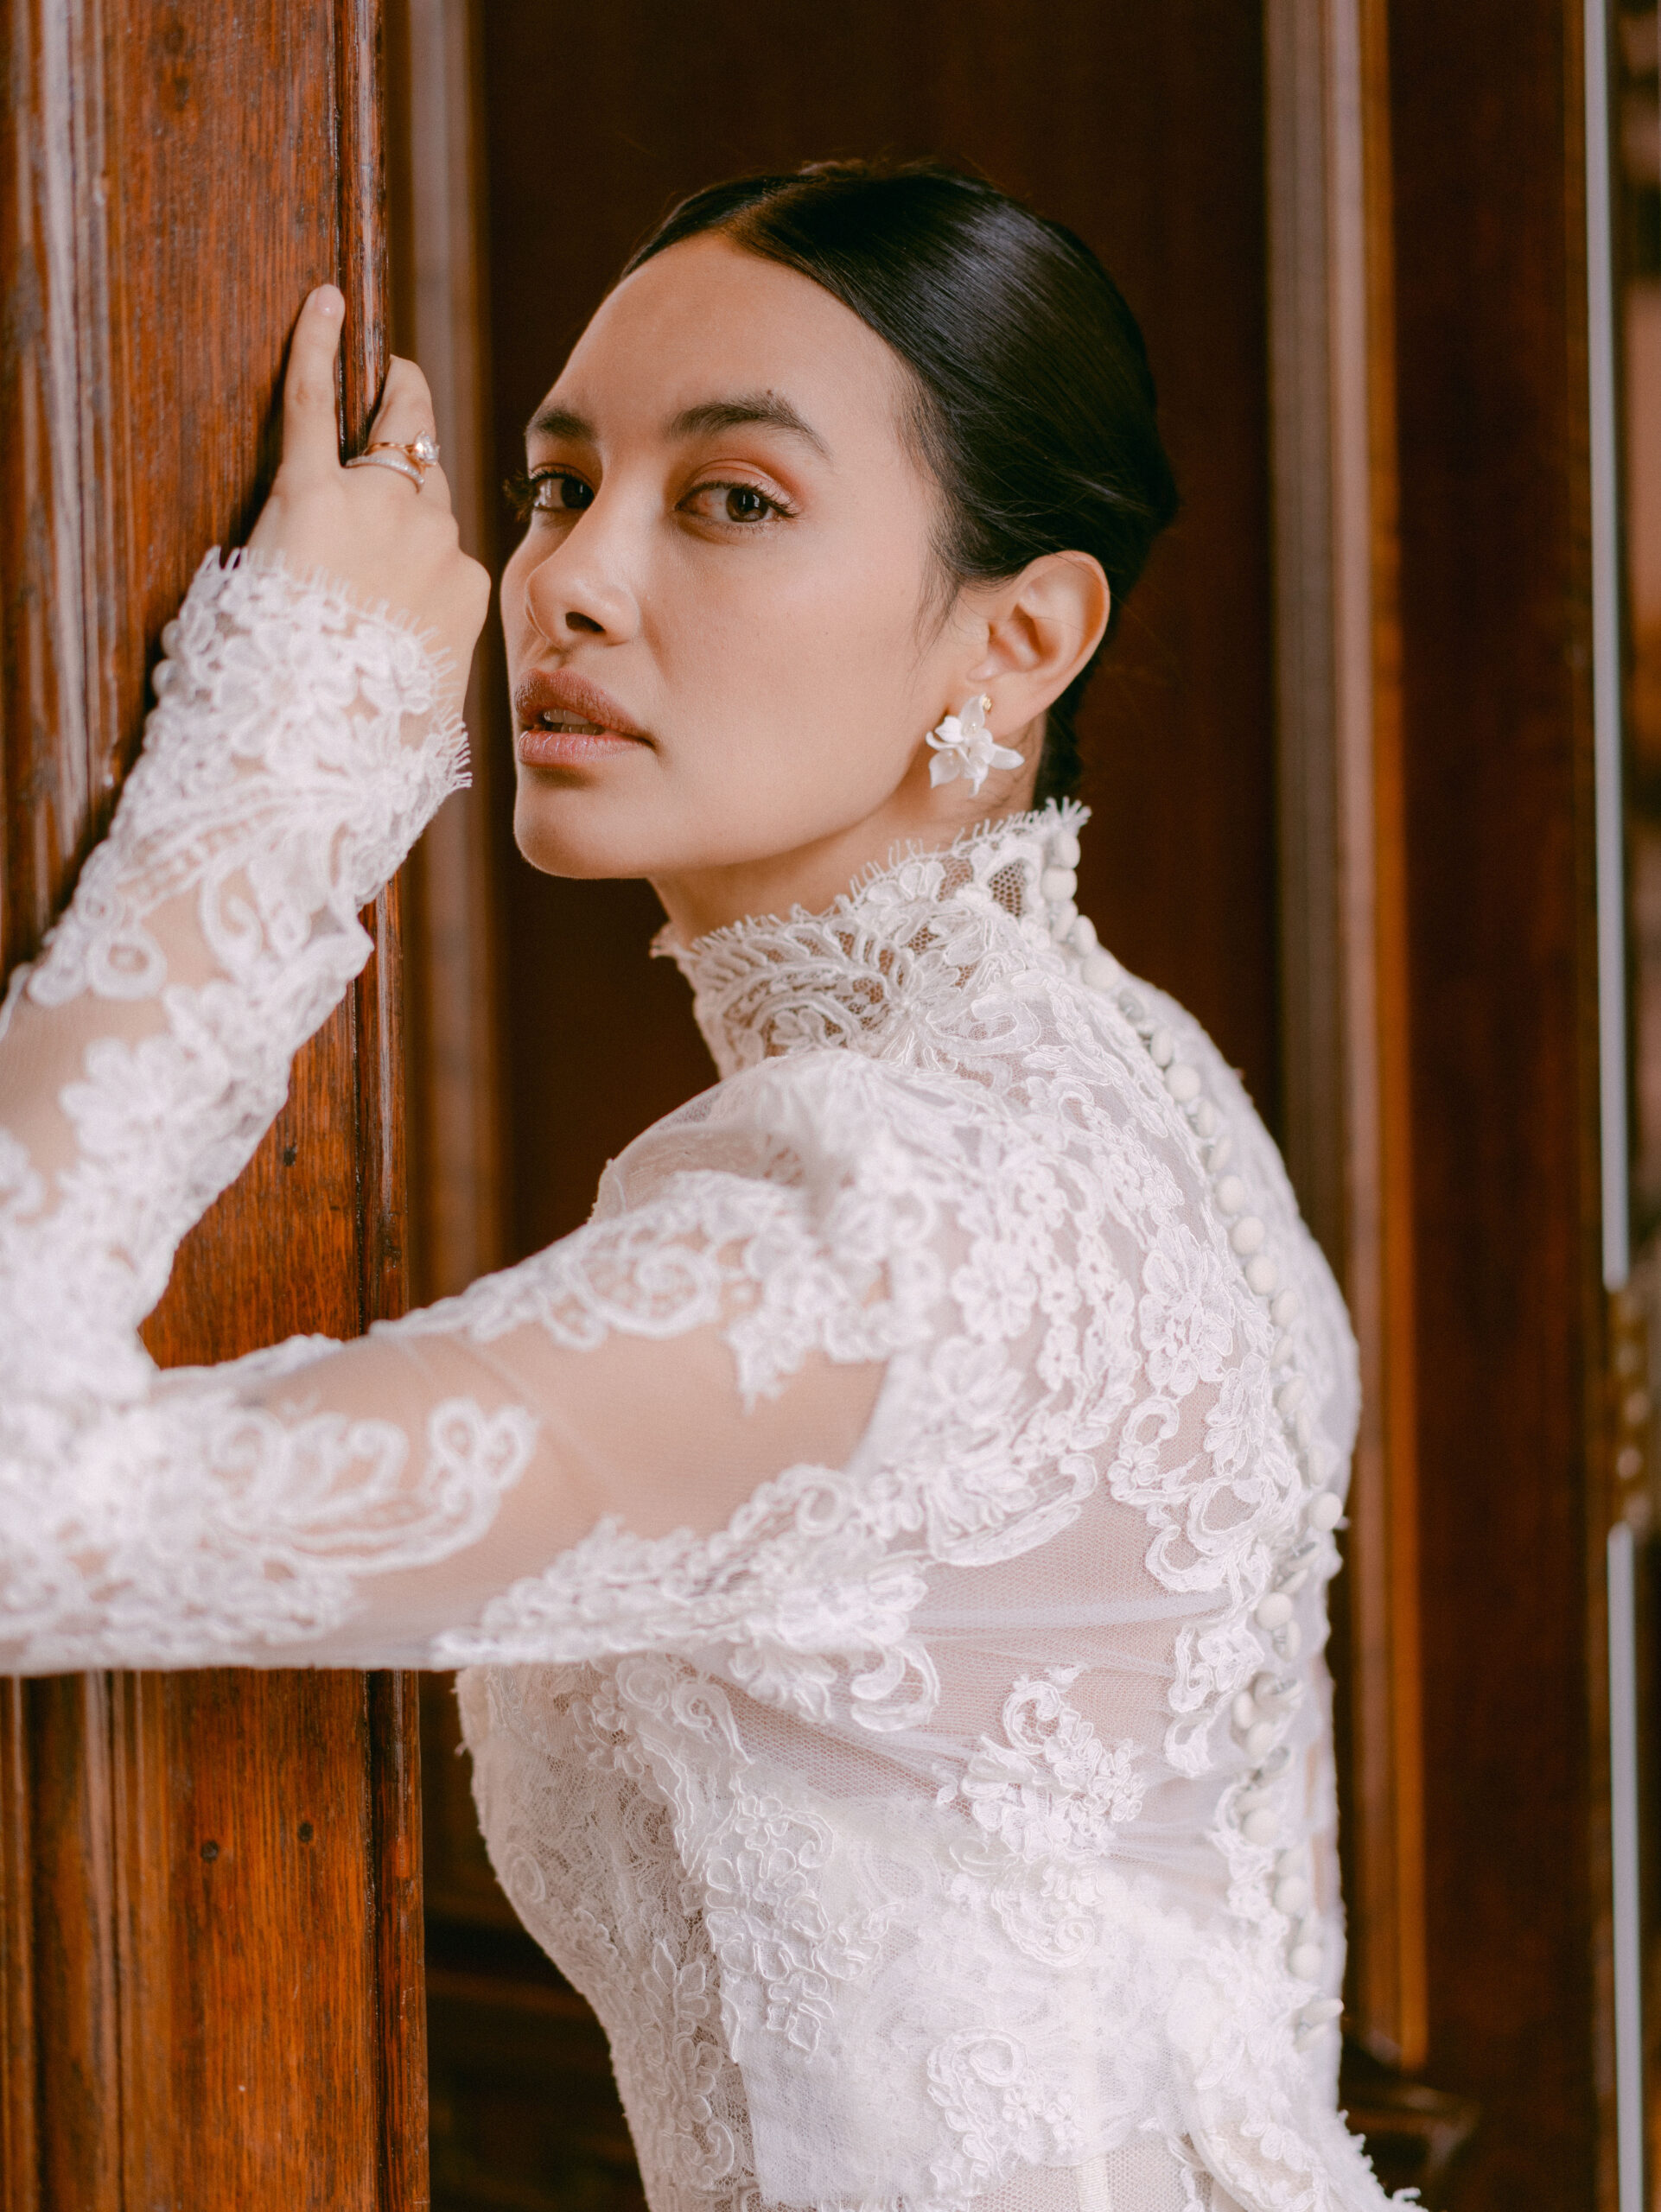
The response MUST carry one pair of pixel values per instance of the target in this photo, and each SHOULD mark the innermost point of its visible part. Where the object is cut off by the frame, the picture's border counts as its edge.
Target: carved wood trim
(210, 1930)
(1344, 913)
(439, 317)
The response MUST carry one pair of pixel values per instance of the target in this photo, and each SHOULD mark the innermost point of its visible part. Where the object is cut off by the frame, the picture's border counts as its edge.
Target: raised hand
(386, 540)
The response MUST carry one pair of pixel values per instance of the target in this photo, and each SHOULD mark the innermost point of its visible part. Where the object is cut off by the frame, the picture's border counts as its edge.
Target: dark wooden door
(210, 1938)
(1141, 123)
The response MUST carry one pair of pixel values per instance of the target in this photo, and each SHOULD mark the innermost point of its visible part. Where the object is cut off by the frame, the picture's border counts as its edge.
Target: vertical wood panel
(19, 2147)
(74, 1969)
(1490, 370)
(211, 1910)
(439, 289)
(1343, 919)
(1139, 123)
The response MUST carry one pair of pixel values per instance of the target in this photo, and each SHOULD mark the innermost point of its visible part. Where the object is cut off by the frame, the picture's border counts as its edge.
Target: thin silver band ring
(388, 461)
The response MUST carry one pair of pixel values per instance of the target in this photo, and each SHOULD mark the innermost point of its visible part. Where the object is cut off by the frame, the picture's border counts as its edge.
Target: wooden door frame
(1343, 913)
(1446, 702)
(210, 1884)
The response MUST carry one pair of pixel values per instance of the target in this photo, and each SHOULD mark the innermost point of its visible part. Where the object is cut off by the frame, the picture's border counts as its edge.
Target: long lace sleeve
(298, 747)
(359, 1504)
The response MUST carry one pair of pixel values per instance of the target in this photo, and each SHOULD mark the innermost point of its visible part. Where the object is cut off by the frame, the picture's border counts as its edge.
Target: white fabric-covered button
(1261, 1826)
(1082, 936)
(1326, 1510)
(1306, 1962)
(1064, 848)
(1291, 1395)
(1286, 1309)
(1231, 1194)
(1323, 2009)
(1057, 884)
(1247, 1235)
(1062, 918)
(1183, 1082)
(1282, 1353)
(1204, 1119)
(1291, 1894)
(1304, 1428)
(1263, 1274)
(1288, 1641)
(1259, 1737)
(1222, 1152)
(1293, 1580)
(1244, 1709)
(1274, 1611)
(1100, 971)
(1162, 1048)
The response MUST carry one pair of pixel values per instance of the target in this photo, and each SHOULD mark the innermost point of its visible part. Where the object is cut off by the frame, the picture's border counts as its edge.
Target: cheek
(816, 658)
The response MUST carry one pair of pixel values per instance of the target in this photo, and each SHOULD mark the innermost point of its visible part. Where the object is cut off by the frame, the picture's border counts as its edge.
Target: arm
(350, 1503)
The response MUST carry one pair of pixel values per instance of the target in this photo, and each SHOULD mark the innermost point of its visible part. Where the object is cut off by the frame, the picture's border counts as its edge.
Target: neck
(814, 874)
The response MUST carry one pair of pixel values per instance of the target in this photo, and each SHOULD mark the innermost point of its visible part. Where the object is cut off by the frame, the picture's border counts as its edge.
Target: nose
(579, 590)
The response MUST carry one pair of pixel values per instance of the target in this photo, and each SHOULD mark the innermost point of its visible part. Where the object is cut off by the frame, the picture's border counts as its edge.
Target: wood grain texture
(1489, 236)
(19, 2086)
(211, 1913)
(1343, 921)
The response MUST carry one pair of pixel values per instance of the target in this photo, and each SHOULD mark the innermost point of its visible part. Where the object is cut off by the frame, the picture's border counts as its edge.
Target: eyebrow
(561, 422)
(765, 409)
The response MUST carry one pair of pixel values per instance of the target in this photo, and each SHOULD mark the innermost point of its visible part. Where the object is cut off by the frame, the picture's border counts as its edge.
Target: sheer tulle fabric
(887, 1540)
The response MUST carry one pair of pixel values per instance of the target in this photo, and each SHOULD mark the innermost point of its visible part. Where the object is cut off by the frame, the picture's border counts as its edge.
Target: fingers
(406, 405)
(310, 435)
(405, 413)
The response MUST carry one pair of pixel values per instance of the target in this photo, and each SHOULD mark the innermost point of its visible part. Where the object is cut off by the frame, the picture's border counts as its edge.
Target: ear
(1041, 628)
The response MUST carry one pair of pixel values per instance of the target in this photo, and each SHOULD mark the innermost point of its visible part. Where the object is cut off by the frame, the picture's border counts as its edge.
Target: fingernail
(329, 300)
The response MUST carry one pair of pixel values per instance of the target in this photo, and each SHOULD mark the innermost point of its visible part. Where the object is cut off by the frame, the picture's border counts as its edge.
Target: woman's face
(724, 631)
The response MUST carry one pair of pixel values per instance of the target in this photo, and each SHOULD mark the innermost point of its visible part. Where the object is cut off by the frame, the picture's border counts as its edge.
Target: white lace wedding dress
(889, 1541)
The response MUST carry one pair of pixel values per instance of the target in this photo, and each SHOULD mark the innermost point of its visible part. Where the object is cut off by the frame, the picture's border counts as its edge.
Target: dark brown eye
(550, 490)
(746, 503)
(560, 494)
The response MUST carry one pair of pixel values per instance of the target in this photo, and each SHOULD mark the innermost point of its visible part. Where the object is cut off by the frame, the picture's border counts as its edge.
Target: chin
(598, 827)
(579, 833)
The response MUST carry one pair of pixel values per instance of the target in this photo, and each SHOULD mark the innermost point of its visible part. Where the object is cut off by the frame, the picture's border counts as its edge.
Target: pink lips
(545, 692)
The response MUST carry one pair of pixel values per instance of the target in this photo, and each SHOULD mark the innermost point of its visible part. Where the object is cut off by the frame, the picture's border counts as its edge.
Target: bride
(888, 1542)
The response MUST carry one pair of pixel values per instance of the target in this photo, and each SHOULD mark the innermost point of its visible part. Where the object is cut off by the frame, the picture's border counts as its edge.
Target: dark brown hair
(1036, 408)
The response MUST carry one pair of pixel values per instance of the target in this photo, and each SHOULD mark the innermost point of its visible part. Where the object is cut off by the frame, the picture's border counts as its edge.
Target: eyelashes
(525, 493)
(562, 491)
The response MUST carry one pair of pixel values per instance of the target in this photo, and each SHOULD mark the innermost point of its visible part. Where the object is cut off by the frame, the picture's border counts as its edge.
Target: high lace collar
(859, 974)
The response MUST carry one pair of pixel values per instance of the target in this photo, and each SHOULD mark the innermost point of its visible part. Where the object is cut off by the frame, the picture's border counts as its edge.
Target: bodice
(885, 1917)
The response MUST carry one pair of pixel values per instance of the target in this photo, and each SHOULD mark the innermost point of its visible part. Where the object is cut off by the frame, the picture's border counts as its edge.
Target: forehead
(705, 320)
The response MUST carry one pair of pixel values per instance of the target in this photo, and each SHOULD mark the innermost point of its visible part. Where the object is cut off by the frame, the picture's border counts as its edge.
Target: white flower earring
(964, 746)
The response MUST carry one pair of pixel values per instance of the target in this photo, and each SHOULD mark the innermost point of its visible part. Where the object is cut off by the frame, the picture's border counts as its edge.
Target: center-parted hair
(1035, 405)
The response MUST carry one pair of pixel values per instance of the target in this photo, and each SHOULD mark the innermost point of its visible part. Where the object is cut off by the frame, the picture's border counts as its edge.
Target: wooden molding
(1343, 913)
(439, 313)
(210, 1927)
